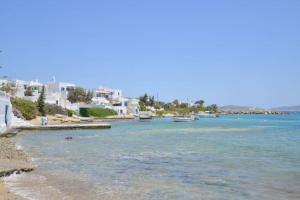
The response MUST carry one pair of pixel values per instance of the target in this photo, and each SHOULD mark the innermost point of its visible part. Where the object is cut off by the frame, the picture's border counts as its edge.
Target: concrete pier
(65, 127)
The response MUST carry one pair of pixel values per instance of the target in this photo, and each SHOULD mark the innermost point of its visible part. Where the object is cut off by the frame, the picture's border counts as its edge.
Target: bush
(80, 95)
(53, 109)
(160, 112)
(27, 108)
(17, 113)
(97, 112)
(71, 113)
(28, 92)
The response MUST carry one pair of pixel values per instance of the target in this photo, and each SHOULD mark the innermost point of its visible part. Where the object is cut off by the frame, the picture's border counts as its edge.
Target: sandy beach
(12, 160)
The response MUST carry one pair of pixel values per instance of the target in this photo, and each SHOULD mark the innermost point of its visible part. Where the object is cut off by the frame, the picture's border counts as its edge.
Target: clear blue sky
(225, 52)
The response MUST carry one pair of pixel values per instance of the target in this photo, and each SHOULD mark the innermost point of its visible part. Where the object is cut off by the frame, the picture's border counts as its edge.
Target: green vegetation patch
(53, 109)
(97, 112)
(26, 107)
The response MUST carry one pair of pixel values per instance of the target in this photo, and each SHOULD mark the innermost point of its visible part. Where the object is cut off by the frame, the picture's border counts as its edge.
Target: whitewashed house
(133, 106)
(112, 95)
(112, 98)
(35, 87)
(57, 93)
(5, 112)
(121, 106)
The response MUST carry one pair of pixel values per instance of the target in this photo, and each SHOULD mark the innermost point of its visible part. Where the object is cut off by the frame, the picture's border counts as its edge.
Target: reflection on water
(244, 157)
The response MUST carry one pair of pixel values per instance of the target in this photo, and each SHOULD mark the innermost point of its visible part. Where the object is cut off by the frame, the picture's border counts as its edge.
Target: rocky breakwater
(12, 159)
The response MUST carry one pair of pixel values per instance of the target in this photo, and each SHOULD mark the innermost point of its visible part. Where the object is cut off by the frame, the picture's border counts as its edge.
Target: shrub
(27, 108)
(53, 109)
(28, 92)
(71, 113)
(160, 112)
(97, 112)
(80, 95)
(17, 113)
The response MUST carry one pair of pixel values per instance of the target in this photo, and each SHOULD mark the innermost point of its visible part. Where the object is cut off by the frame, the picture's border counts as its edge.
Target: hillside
(245, 109)
(287, 109)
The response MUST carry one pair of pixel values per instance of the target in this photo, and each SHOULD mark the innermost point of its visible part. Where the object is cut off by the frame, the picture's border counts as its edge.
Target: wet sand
(5, 194)
(12, 160)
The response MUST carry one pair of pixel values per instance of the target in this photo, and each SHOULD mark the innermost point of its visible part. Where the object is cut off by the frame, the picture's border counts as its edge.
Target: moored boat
(145, 115)
(207, 114)
(183, 118)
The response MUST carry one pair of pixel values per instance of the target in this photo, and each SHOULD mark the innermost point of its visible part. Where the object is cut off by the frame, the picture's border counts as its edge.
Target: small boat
(86, 119)
(145, 115)
(183, 118)
(207, 115)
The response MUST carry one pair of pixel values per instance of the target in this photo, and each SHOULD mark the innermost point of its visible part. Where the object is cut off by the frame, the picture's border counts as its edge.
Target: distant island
(287, 109)
(234, 109)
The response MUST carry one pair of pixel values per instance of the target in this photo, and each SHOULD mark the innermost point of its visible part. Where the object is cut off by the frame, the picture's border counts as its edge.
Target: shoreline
(5, 193)
(12, 161)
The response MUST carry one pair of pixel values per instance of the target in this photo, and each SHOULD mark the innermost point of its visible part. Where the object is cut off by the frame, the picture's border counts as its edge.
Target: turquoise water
(231, 157)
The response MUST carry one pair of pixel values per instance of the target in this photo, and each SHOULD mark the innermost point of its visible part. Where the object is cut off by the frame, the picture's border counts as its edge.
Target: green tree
(89, 96)
(184, 105)
(41, 102)
(80, 95)
(176, 102)
(213, 108)
(28, 91)
(144, 99)
(143, 102)
(151, 101)
(168, 106)
(200, 103)
(142, 106)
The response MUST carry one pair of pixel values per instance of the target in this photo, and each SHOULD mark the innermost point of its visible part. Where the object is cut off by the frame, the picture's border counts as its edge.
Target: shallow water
(231, 157)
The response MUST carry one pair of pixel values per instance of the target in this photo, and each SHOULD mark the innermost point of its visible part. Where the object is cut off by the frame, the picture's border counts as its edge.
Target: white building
(57, 93)
(112, 98)
(133, 106)
(121, 106)
(33, 88)
(5, 112)
(112, 95)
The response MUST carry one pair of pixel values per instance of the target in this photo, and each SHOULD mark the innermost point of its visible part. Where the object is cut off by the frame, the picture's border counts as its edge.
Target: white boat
(207, 115)
(183, 118)
(142, 117)
(145, 115)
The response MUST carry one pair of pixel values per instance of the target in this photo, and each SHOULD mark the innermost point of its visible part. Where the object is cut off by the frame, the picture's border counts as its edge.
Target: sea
(233, 157)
